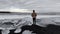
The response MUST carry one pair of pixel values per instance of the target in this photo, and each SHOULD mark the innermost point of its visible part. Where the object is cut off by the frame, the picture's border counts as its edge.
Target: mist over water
(45, 19)
(23, 16)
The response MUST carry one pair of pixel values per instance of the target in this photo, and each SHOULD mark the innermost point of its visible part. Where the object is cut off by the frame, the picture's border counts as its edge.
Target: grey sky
(38, 5)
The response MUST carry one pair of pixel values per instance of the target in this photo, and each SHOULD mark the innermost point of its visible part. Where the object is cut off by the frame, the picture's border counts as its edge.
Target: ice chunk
(17, 30)
(27, 32)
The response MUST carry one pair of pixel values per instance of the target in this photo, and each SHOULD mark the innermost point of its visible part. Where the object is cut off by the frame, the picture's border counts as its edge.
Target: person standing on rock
(34, 16)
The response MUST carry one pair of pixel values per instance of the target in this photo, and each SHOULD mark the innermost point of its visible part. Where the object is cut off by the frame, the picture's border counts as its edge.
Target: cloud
(38, 5)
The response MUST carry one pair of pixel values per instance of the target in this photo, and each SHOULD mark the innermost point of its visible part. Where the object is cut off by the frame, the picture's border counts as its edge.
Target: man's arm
(36, 14)
(31, 14)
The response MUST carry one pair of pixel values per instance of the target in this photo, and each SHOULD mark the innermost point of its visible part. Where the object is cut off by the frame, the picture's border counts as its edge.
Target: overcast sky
(29, 5)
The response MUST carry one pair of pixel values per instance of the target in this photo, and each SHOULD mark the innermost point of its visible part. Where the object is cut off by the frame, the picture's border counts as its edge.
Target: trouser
(34, 20)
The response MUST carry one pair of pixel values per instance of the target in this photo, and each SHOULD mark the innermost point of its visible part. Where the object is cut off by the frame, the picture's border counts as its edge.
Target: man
(34, 16)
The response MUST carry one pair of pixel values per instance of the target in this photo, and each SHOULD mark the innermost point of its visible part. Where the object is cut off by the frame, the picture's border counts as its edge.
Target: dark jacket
(34, 15)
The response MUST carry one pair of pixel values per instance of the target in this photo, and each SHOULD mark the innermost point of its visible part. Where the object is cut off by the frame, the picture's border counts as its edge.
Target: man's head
(33, 11)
